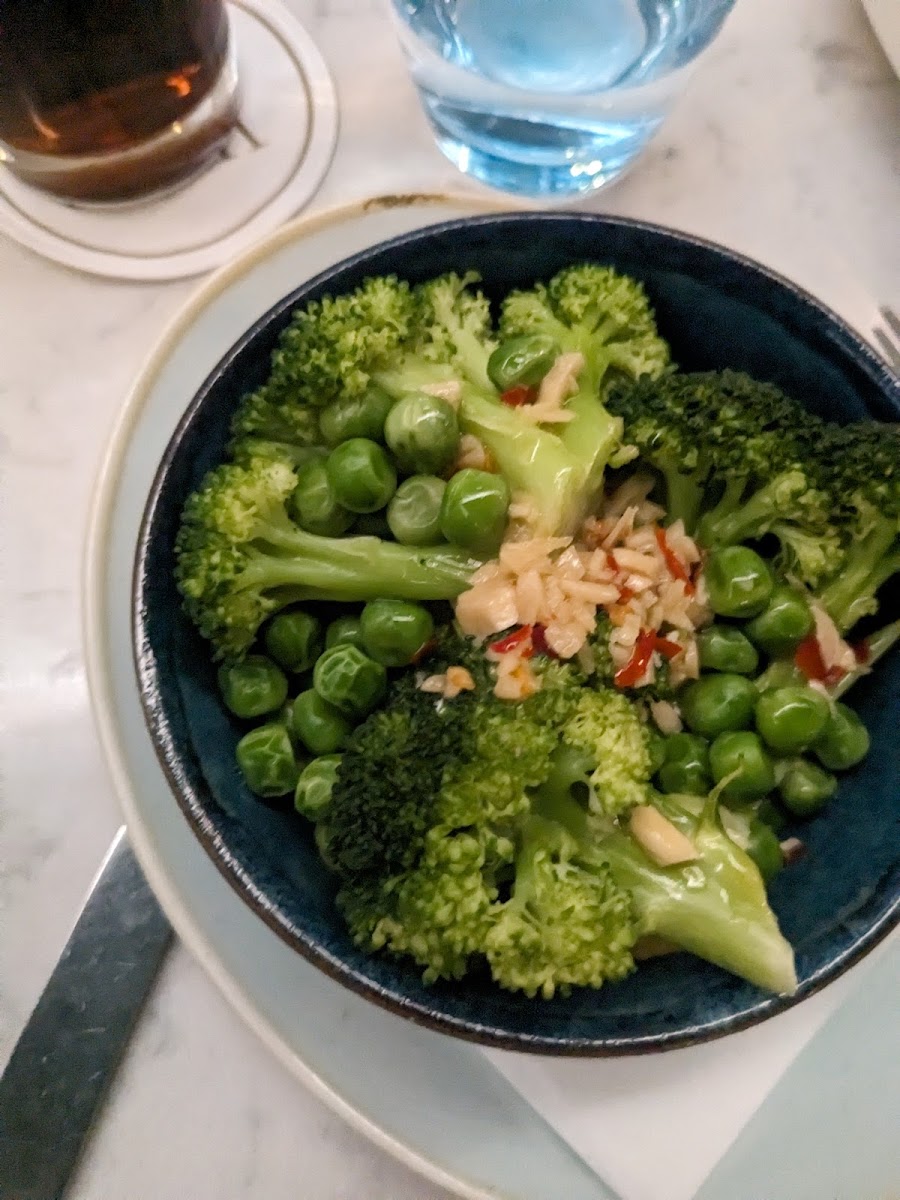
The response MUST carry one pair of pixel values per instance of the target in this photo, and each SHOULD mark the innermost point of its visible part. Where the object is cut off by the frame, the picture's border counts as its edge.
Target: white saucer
(273, 163)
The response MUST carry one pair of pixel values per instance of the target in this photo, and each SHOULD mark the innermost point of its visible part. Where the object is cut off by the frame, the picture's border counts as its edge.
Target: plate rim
(852, 344)
(92, 591)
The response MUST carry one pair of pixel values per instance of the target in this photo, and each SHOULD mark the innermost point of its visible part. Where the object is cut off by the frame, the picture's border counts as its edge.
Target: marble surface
(785, 147)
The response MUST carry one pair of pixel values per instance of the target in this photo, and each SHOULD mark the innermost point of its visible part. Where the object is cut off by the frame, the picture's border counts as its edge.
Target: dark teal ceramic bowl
(717, 310)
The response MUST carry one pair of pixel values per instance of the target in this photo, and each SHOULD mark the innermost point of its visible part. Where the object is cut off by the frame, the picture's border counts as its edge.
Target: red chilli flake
(628, 675)
(808, 657)
(676, 567)
(519, 637)
(539, 642)
(516, 396)
(667, 648)
(861, 652)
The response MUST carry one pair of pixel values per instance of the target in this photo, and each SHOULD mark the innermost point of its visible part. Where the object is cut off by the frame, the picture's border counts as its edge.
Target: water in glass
(551, 97)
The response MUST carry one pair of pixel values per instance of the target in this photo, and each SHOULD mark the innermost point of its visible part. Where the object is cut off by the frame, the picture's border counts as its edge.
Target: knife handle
(55, 1081)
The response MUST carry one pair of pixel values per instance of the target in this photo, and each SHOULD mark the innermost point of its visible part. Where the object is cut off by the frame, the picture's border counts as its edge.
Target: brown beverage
(106, 99)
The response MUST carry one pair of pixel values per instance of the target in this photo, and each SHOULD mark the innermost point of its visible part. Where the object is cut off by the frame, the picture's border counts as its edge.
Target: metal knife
(55, 1081)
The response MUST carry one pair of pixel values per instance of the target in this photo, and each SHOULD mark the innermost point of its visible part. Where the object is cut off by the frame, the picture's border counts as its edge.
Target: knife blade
(54, 1083)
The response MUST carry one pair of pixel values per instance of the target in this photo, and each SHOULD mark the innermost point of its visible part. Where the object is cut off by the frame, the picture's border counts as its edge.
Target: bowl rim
(850, 344)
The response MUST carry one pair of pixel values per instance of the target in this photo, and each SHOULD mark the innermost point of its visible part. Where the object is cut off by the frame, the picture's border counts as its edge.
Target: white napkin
(653, 1127)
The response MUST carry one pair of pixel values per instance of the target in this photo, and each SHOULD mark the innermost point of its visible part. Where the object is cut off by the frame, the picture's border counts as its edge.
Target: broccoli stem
(735, 520)
(684, 497)
(591, 438)
(412, 374)
(356, 568)
(715, 907)
(532, 461)
(878, 645)
(869, 564)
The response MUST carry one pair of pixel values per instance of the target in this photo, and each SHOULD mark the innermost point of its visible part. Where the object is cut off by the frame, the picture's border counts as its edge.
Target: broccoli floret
(715, 906)
(738, 460)
(605, 316)
(864, 459)
(333, 346)
(503, 842)
(606, 725)
(272, 425)
(565, 925)
(240, 558)
(456, 326)
(438, 913)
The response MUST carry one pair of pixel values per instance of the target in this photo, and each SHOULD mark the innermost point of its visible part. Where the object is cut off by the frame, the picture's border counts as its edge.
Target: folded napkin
(654, 1126)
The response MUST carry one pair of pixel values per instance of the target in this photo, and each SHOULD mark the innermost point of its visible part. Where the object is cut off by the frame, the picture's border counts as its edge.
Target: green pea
(350, 680)
(414, 513)
(322, 838)
(685, 768)
(765, 850)
(320, 726)
(266, 759)
(789, 718)
(294, 639)
(522, 360)
(804, 787)
(356, 416)
(361, 475)
(656, 749)
(714, 704)
(344, 629)
(724, 648)
(843, 742)
(314, 505)
(473, 511)
(742, 752)
(781, 672)
(315, 785)
(394, 632)
(783, 623)
(738, 581)
(253, 687)
(770, 814)
(423, 433)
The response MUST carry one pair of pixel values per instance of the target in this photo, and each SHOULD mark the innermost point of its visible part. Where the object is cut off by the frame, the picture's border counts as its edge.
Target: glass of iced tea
(108, 99)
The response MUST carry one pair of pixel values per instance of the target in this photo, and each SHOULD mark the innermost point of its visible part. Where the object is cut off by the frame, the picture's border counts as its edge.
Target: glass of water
(551, 97)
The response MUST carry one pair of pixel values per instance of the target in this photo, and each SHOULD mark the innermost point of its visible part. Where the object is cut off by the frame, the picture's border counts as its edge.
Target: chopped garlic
(458, 680)
(451, 391)
(665, 844)
(666, 717)
(834, 650)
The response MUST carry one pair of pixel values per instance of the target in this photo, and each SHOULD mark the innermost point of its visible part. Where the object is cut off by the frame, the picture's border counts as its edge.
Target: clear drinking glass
(551, 97)
(107, 99)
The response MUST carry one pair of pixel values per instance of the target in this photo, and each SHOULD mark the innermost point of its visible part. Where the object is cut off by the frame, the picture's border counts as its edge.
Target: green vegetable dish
(548, 639)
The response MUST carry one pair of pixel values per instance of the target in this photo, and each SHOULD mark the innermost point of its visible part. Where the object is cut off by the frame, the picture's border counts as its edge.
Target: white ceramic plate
(341, 1046)
(384, 1075)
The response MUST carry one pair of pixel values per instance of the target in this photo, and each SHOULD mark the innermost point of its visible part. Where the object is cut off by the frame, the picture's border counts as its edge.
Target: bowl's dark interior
(716, 312)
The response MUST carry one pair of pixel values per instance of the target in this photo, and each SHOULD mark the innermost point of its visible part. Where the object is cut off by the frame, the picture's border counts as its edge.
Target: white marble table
(786, 147)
